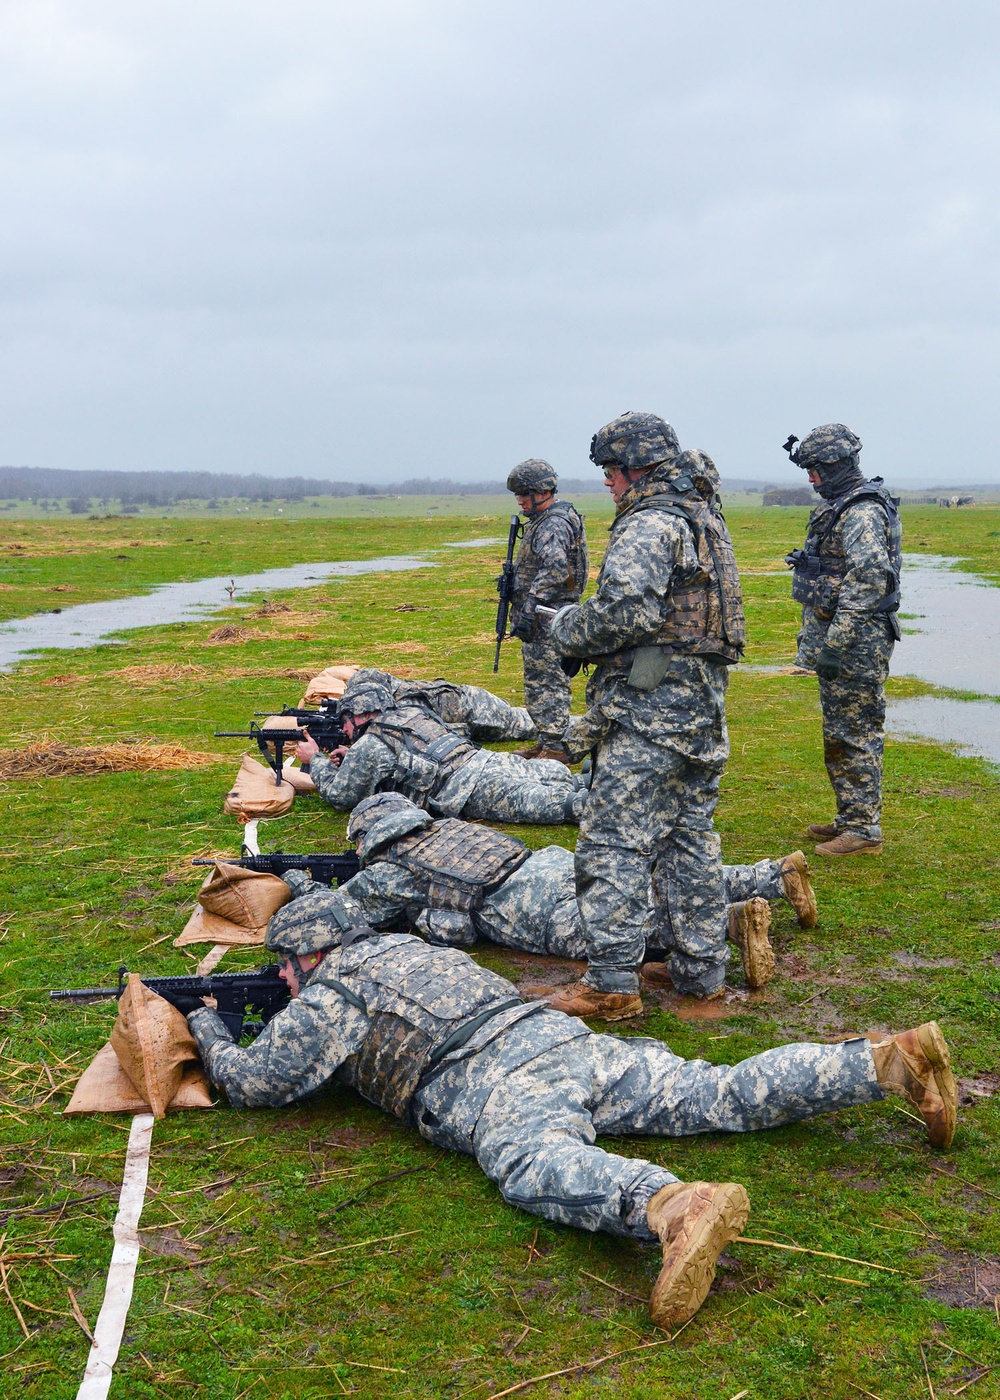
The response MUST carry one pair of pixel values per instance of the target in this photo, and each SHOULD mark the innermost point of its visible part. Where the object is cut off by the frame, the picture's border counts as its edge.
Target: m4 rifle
(329, 868)
(505, 586)
(289, 727)
(261, 992)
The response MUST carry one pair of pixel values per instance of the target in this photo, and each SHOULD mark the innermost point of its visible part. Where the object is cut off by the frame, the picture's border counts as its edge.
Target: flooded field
(90, 623)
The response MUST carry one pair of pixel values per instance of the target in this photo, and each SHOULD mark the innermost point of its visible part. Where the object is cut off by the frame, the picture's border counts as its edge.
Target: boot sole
(804, 904)
(625, 1013)
(875, 850)
(676, 1298)
(754, 945)
(935, 1049)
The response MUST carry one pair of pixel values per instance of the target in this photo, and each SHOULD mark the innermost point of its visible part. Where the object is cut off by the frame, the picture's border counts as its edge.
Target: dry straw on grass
(51, 760)
(230, 633)
(154, 675)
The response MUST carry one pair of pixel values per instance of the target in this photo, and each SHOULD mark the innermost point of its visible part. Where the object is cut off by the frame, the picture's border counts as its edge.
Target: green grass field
(278, 1258)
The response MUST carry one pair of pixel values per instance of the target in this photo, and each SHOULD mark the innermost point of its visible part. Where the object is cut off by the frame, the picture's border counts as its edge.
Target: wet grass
(253, 1281)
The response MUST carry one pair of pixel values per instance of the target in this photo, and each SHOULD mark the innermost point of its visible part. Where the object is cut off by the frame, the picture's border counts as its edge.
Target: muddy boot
(916, 1066)
(847, 844)
(822, 831)
(580, 1000)
(655, 974)
(749, 925)
(559, 755)
(533, 752)
(798, 890)
(695, 1220)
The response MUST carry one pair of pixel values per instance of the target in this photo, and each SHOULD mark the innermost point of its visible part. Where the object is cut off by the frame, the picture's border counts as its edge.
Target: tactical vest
(820, 565)
(706, 613)
(427, 752)
(423, 1003)
(530, 561)
(460, 862)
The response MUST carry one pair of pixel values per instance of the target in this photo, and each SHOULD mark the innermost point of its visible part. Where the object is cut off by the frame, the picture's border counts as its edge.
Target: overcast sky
(380, 240)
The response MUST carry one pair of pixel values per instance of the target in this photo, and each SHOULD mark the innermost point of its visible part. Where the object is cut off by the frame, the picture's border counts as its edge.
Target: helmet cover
(534, 474)
(372, 809)
(634, 442)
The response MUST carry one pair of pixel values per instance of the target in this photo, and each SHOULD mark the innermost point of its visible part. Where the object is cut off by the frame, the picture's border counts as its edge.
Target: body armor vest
(459, 862)
(820, 565)
(706, 613)
(530, 561)
(423, 1003)
(427, 751)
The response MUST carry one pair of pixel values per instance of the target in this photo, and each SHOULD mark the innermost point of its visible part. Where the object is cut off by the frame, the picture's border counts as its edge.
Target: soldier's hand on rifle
(185, 1004)
(307, 749)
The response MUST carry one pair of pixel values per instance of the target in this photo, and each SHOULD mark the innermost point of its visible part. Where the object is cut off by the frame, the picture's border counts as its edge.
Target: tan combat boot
(695, 1220)
(846, 844)
(580, 1000)
(559, 755)
(798, 889)
(533, 752)
(916, 1065)
(822, 831)
(749, 925)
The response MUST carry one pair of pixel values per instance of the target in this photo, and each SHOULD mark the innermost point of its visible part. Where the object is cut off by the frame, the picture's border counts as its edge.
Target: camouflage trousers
(538, 791)
(535, 1136)
(853, 740)
(649, 819)
(546, 690)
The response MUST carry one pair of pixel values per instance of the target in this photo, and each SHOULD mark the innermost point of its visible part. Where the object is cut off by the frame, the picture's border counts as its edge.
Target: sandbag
(234, 907)
(329, 684)
(153, 1044)
(255, 794)
(104, 1087)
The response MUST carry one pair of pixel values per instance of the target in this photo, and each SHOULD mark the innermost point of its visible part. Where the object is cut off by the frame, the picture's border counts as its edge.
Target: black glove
(184, 1002)
(570, 665)
(828, 663)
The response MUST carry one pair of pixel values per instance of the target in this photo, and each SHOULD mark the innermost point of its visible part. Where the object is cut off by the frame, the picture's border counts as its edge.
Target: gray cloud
(429, 237)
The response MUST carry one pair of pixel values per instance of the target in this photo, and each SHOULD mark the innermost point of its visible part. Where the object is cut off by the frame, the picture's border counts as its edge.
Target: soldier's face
(292, 969)
(814, 478)
(616, 481)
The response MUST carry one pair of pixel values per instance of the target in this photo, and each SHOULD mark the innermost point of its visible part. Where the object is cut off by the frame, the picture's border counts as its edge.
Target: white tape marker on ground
(121, 1274)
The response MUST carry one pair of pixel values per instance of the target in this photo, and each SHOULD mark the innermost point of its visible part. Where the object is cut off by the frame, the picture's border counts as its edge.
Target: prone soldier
(406, 747)
(550, 570)
(449, 1047)
(847, 578)
(455, 882)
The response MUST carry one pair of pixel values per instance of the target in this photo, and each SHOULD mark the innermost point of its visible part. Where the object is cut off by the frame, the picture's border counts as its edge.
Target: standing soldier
(661, 631)
(847, 580)
(551, 569)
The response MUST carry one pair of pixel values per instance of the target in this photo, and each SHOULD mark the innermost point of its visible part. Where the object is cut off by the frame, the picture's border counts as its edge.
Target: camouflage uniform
(849, 599)
(551, 569)
(533, 907)
(456, 778)
(429, 1035)
(468, 709)
(656, 724)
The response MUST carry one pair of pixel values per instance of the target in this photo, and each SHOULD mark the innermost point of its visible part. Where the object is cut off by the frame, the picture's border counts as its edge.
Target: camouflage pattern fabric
(535, 909)
(489, 787)
(854, 704)
(471, 711)
(659, 755)
(547, 691)
(527, 1094)
(648, 825)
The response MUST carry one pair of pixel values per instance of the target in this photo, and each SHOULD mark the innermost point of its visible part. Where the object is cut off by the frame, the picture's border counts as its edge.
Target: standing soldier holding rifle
(550, 570)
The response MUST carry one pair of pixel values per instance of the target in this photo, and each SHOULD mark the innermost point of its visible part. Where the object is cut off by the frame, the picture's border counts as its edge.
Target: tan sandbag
(234, 907)
(104, 1087)
(153, 1044)
(329, 684)
(300, 781)
(255, 793)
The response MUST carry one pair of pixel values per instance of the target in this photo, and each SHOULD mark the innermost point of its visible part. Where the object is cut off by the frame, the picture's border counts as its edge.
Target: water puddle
(951, 637)
(88, 624)
(951, 626)
(470, 544)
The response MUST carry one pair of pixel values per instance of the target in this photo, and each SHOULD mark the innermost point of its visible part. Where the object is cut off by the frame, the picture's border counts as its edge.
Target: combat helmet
(368, 692)
(635, 442)
(824, 446)
(313, 923)
(533, 474)
(372, 809)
